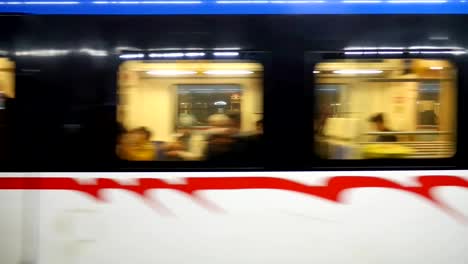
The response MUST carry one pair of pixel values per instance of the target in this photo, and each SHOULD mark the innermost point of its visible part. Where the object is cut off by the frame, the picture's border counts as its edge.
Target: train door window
(7, 95)
(428, 106)
(392, 108)
(189, 110)
(200, 102)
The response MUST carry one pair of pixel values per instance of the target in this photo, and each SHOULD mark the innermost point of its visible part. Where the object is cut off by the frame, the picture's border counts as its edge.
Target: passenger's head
(235, 118)
(141, 134)
(219, 120)
(379, 121)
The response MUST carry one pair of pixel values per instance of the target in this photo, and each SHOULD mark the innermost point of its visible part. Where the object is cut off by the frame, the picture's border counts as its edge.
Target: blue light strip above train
(172, 7)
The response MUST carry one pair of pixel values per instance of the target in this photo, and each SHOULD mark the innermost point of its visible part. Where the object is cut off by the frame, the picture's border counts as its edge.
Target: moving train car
(233, 132)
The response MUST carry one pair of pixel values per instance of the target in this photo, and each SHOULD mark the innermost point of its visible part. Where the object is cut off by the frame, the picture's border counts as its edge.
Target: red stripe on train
(330, 191)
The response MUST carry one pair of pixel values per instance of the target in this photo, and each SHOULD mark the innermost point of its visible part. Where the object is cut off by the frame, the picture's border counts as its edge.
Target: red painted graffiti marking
(330, 191)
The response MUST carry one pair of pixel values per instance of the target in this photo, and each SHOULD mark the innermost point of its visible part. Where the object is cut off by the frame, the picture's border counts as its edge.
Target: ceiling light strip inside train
(177, 55)
(132, 56)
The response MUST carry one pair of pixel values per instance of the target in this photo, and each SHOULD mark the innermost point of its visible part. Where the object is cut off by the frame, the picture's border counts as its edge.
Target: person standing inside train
(379, 121)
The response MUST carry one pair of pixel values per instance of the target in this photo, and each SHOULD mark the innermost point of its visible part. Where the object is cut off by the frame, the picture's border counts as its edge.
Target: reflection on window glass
(390, 108)
(190, 111)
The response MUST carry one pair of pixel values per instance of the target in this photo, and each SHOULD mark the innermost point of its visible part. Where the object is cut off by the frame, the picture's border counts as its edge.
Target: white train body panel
(235, 218)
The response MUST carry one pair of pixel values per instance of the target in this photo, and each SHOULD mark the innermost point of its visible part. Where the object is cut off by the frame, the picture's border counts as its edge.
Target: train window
(190, 110)
(389, 108)
(7, 95)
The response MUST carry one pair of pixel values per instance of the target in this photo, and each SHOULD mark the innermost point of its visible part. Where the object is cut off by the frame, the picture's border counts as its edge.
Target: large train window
(389, 108)
(7, 95)
(190, 110)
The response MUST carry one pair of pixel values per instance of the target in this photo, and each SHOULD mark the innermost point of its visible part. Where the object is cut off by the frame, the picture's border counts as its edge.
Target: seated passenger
(223, 147)
(188, 146)
(136, 146)
(379, 122)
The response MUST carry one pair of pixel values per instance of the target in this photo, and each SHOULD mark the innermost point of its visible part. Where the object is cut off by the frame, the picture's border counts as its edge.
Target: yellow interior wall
(367, 98)
(7, 77)
(448, 113)
(402, 115)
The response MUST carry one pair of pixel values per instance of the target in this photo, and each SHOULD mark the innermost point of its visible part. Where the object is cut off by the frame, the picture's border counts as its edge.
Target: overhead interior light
(374, 48)
(434, 47)
(220, 103)
(166, 55)
(390, 52)
(436, 68)
(315, 72)
(45, 53)
(457, 52)
(350, 72)
(353, 53)
(226, 54)
(132, 56)
(391, 48)
(228, 72)
(194, 54)
(170, 72)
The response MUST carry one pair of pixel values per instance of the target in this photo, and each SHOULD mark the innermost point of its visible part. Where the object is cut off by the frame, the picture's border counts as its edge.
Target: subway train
(233, 132)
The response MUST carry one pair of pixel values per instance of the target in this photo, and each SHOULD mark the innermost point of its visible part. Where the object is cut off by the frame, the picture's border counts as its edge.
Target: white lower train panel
(270, 217)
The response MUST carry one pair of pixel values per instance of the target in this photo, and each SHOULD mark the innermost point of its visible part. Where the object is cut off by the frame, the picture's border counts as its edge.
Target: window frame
(256, 56)
(313, 58)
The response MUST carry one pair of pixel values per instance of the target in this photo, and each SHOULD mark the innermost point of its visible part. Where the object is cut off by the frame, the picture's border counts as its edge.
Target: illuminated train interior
(219, 92)
(414, 98)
